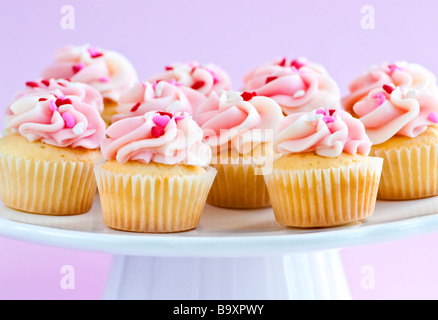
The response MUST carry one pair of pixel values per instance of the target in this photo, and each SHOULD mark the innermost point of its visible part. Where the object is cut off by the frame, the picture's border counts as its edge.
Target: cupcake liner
(408, 173)
(324, 197)
(240, 185)
(54, 187)
(152, 204)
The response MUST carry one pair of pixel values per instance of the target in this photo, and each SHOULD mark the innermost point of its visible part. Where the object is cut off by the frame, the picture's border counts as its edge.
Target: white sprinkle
(299, 94)
(79, 128)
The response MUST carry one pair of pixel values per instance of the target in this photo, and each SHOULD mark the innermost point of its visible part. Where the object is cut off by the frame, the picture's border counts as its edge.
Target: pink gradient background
(237, 35)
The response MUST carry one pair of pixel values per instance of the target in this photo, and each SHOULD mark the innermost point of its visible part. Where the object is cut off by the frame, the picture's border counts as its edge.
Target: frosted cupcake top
(296, 85)
(204, 78)
(108, 71)
(238, 120)
(169, 96)
(63, 87)
(57, 118)
(326, 132)
(400, 74)
(157, 136)
(388, 111)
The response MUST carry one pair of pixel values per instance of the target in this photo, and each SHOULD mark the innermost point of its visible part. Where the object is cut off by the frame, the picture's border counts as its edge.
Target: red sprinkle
(134, 108)
(45, 82)
(32, 84)
(61, 84)
(42, 99)
(164, 113)
(331, 111)
(269, 79)
(61, 101)
(157, 131)
(198, 84)
(168, 68)
(389, 89)
(282, 62)
(296, 64)
(78, 67)
(248, 95)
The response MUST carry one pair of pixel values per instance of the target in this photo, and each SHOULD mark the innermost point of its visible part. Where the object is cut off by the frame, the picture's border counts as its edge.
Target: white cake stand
(232, 254)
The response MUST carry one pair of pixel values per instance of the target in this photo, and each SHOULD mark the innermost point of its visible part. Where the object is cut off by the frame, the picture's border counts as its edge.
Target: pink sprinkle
(53, 106)
(161, 121)
(298, 65)
(45, 82)
(157, 131)
(69, 119)
(393, 67)
(104, 79)
(320, 111)
(433, 117)
(179, 118)
(380, 97)
(78, 67)
(329, 119)
(94, 53)
(389, 89)
(172, 81)
(32, 84)
(154, 84)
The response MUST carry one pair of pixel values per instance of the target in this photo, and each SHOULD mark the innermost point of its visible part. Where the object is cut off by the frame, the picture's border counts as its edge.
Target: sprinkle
(198, 84)
(32, 84)
(69, 119)
(179, 118)
(42, 99)
(320, 111)
(433, 117)
(104, 79)
(388, 88)
(78, 67)
(164, 113)
(282, 62)
(331, 111)
(157, 131)
(213, 74)
(168, 68)
(172, 81)
(298, 65)
(269, 79)
(393, 67)
(329, 119)
(61, 84)
(134, 108)
(94, 53)
(53, 106)
(299, 94)
(61, 101)
(246, 96)
(79, 128)
(45, 82)
(380, 97)
(161, 121)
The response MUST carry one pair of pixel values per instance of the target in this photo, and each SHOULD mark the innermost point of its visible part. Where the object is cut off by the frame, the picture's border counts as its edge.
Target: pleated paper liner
(240, 185)
(408, 172)
(324, 197)
(54, 187)
(153, 204)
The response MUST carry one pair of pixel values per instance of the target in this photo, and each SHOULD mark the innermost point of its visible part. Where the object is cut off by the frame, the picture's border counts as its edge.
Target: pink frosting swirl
(108, 71)
(159, 137)
(62, 121)
(63, 88)
(328, 133)
(400, 74)
(203, 78)
(297, 85)
(242, 119)
(388, 111)
(162, 95)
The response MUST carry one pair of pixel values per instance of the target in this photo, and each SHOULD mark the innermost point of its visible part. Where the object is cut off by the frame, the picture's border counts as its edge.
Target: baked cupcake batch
(157, 151)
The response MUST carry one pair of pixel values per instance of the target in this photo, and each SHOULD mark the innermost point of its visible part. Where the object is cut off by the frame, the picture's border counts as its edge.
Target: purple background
(236, 35)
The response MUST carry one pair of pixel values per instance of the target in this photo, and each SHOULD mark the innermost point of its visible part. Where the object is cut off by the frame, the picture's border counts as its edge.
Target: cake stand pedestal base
(297, 276)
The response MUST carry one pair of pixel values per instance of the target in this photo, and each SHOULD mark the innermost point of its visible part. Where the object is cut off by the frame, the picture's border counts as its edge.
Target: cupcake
(47, 159)
(401, 74)
(163, 95)
(156, 176)
(402, 125)
(296, 85)
(204, 78)
(239, 129)
(108, 71)
(325, 176)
